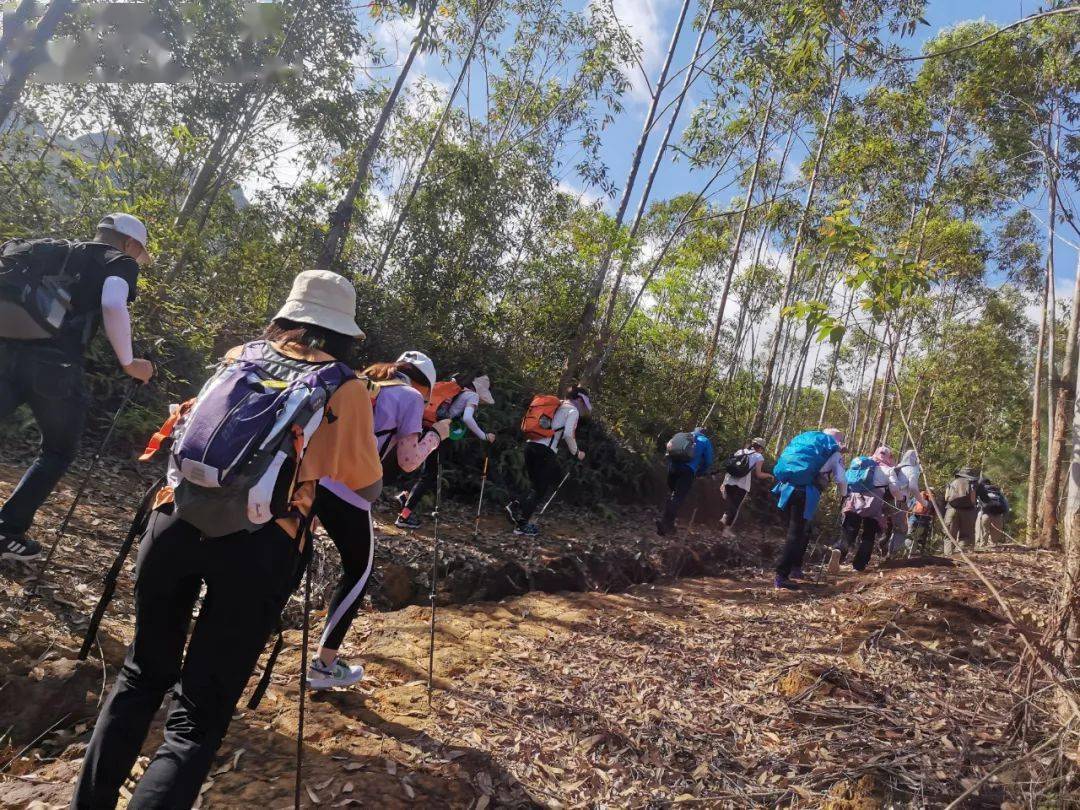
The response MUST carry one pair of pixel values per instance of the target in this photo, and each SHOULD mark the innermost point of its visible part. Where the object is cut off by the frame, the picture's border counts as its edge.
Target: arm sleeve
(469, 418)
(116, 319)
(412, 450)
(835, 467)
(570, 430)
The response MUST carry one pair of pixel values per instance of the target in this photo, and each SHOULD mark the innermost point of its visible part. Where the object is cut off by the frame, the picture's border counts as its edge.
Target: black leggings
(351, 530)
(791, 558)
(428, 480)
(544, 471)
(733, 498)
(852, 527)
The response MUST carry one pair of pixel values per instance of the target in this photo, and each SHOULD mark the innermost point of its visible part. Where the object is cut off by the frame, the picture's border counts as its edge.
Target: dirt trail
(888, 687)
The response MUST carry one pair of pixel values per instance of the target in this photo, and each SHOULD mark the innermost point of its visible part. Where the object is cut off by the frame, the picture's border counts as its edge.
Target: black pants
(351, 530)
(248, 578)
(428, 480)
(854, 526)
(545, 472)
(791, 558)
(679, 481)
(51, 383)
(733, 498)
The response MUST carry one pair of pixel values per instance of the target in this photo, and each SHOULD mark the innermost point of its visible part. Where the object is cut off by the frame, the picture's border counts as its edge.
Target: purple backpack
(236, 453)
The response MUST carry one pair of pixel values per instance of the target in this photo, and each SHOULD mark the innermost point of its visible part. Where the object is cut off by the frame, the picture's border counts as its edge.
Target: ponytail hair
(387, 371)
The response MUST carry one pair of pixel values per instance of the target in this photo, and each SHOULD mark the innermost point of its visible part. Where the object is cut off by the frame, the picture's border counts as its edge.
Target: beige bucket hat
(325, 299)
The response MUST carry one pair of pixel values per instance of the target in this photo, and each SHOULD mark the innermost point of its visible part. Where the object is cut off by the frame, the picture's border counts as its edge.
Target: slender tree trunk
(600, 348)
(856, 410)
(433, 141)
(834, 362)
(1066, 392)
(864, 432)
(1031, 528)
(1069, 599)
(24, 62)
(1062, 385)
(804, 224)
(572, 364)
(736, 247)
(342, 215)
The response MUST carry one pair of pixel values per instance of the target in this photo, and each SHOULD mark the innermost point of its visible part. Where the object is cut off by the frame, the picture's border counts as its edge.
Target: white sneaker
(339, 673)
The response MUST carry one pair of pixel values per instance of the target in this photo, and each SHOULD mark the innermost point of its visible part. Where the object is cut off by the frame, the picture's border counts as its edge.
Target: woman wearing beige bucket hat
(457, 399)
(248, 574)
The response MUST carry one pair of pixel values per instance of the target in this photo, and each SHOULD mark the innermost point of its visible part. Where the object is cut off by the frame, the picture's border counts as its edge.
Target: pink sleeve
(411, 452)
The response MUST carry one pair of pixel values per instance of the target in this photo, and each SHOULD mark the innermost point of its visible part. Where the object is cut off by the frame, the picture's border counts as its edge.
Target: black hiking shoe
(527, 529)
(785, 583)
(17, 547)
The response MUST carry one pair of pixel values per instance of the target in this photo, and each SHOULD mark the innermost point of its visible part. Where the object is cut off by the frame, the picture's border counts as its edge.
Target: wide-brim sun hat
(482, 386)
(757, 441)
(323, 298)
(422, 363)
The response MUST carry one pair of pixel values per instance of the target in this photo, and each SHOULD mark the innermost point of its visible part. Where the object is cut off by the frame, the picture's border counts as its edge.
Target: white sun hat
(322, 298)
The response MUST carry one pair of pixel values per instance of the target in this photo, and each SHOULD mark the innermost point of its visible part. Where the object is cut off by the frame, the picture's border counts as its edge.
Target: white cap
(325, 299)
(423, 364)
(127, 225)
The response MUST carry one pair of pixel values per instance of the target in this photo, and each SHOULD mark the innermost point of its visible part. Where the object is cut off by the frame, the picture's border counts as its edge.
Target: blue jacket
(703, 456)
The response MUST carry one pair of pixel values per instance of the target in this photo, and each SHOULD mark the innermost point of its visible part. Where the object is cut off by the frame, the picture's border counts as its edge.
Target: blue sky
(651, 22)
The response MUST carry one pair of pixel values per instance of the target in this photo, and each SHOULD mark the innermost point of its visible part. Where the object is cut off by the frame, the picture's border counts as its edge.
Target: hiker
(547, 420)
(191, 539)
(805, 466)
(689, 456)
(907, 479)
(455, 399)
(872, 486)
(993, 509)
(743, 465)
(401, 390)
(43, 367)
(961, 510)
(921, 522)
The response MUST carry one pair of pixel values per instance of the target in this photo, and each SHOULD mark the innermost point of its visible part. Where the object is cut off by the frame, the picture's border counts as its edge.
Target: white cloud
(645, 21)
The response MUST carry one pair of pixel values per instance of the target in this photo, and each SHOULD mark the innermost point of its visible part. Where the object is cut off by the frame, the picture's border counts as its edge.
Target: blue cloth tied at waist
(813, 497)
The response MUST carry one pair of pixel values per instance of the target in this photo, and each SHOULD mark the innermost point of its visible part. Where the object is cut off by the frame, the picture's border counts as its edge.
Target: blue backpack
(804, 457)
(860, 474)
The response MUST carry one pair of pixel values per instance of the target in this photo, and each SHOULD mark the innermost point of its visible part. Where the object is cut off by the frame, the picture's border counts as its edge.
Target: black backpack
(993, 501)
(738, 466)
(35, 288)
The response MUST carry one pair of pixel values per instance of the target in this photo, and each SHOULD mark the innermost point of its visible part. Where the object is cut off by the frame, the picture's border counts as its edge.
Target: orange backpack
(539, 417)
(442, 397)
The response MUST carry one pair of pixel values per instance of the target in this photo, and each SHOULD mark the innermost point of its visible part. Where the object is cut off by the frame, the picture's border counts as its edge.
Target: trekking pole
(138, 524)
(543, 508)
(62, 529)
(308, 537)
(434, 572)
(480, 504)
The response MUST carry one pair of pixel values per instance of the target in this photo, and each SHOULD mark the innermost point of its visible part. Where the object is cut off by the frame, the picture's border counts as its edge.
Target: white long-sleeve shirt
(464, 407)
(834, 468)
(116, 319)
(564, 423)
